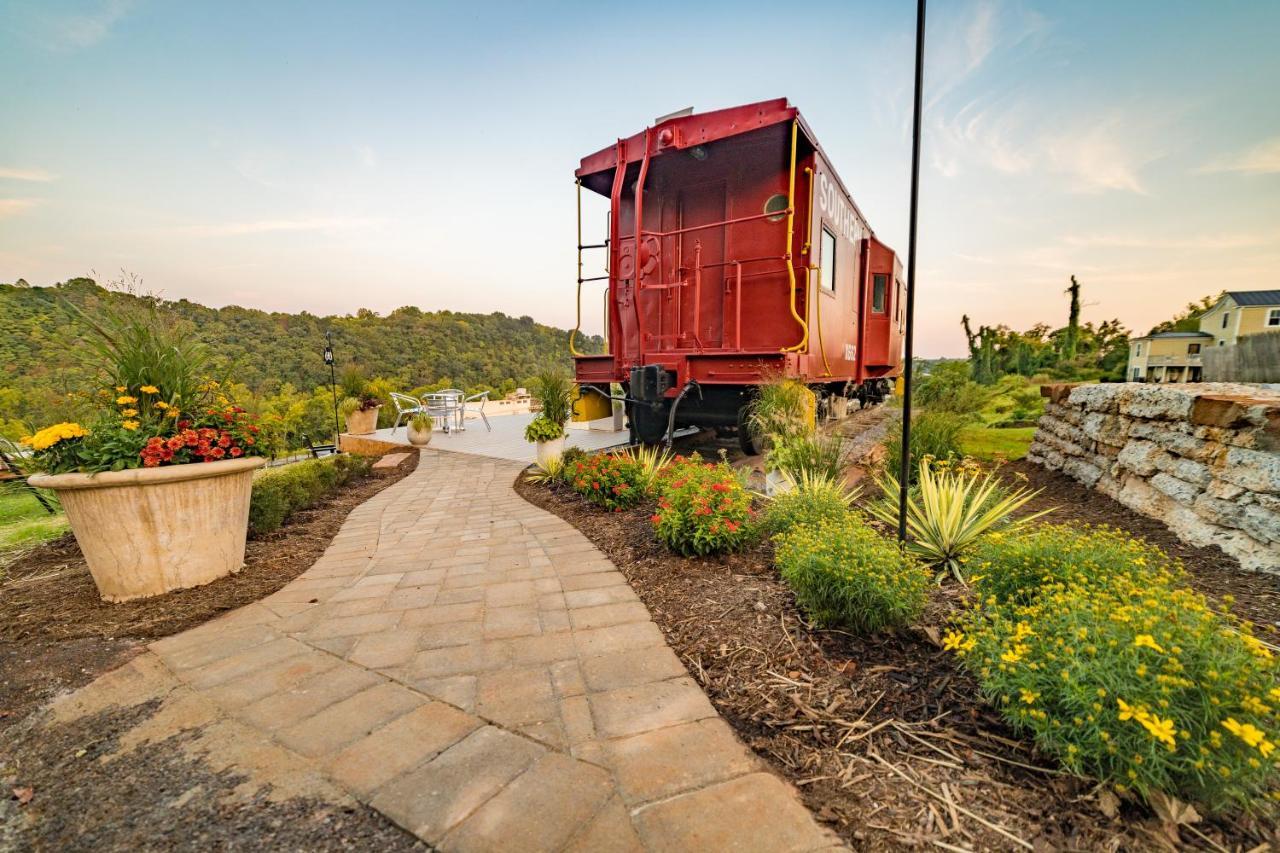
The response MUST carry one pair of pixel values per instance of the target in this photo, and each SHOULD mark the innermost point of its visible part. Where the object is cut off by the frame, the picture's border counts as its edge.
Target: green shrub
(948, 388)
(935, 434)
(611, 481)
(1013, 567)
(702, 508)
(543, 429)
(1135, 683)
(281, 491)
(844, 575)
(812, 500)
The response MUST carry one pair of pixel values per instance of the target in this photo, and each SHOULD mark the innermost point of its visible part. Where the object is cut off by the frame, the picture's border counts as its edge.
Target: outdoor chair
(406, 407)
(481, 398)
(318, 450)
(11, 472)
(443, 406)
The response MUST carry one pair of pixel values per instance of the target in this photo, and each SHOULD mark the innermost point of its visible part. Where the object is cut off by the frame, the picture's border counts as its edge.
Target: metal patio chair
(481, 398)
(444, 407)
(406, 407)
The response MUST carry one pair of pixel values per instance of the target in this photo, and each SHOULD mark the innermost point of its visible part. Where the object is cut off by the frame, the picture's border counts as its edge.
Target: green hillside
(274, 357)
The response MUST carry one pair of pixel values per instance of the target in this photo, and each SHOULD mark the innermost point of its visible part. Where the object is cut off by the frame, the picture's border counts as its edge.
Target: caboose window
(879, 289)
(827, 261)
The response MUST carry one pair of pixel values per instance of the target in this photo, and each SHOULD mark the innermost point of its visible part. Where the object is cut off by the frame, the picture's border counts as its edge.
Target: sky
(331, 156)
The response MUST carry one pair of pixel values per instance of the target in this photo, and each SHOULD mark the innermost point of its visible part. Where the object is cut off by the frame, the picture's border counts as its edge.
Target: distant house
(1167, 357)
(1176, 356)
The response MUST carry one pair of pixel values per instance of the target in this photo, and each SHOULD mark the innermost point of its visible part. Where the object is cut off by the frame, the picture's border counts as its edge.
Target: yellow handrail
(791, 231)
(573, 335)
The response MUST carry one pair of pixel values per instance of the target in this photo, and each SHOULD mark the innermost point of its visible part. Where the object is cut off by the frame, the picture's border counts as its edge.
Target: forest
(273, 360)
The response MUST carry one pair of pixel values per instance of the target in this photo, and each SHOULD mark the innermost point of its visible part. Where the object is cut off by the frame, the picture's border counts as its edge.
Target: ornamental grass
(845, 575)
(1122, 674)
(813, 499)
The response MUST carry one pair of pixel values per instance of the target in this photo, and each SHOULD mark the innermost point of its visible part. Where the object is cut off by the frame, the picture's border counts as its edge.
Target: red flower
(249, 440)
(719, 487)
(235, 451)
(732, 525)
(655, 518)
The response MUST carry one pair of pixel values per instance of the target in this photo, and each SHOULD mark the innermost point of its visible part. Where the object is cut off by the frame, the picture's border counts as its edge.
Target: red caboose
(736, 253)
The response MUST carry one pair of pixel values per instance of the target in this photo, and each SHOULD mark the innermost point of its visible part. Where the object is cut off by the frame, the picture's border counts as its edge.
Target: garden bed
(885, 737)
(57, 634)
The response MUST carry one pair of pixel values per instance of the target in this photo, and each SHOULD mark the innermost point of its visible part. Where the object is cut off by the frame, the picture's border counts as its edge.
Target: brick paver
(475, 669)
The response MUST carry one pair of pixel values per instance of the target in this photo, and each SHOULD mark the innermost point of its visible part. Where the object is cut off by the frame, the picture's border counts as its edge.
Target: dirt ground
(885, 736)
(56, 634)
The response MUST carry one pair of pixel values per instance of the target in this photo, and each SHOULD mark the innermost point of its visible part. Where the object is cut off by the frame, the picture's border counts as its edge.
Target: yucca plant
(548, 473)
(949, 511)
(649, 461)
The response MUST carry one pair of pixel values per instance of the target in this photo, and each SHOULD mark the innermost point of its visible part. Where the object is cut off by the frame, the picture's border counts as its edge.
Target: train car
(734, 254)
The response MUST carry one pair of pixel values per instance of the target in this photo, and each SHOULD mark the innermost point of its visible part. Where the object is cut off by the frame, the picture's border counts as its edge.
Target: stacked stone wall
(1203, 458)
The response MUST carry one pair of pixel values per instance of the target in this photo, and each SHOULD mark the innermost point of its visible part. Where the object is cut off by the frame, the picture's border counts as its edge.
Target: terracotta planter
(548, 450)
(363, 423)
(148, 531)
(419, 438)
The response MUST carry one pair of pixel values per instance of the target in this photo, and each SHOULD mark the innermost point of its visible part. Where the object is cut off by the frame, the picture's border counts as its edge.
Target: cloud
(268, 226)
(26, 174)
(77, 31)
(13, 206)
(1211, 242)
(1098, 158)
(1261, 159)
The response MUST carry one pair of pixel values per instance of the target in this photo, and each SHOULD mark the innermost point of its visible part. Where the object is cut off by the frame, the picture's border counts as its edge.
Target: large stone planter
(363, 423)
(148, 531)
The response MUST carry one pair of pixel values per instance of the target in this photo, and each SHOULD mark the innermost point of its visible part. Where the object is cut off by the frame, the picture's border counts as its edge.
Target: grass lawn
(24, 522)
(988, 442)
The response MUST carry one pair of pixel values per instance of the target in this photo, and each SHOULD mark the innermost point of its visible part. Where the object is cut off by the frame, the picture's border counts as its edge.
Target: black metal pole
(904, 475)
(333, 386)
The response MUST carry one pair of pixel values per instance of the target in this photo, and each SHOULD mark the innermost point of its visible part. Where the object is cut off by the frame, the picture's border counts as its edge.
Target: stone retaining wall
(1203, 458)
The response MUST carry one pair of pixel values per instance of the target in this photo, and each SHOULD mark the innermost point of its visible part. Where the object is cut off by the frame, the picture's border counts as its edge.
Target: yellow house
(1175, 356)
(1238, 313)
(1167, 357)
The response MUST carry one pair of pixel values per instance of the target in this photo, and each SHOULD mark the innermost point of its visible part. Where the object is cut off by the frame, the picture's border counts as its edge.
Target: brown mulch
(885, 737)
(57, 634)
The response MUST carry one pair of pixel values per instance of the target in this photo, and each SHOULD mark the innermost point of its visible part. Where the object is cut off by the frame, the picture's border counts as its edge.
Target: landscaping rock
(1202, 458)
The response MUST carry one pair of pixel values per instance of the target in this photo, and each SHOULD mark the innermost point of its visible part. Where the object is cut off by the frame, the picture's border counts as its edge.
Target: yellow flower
(49, 436)
(1127, 711)
(160, 404)
(129, 413)
(1028, 697)
(125, 400)
(150, 389)
(953, 640)
(1148, 641)
(129, 425)
(1247, 732)
(1161, 730)
(121, 389)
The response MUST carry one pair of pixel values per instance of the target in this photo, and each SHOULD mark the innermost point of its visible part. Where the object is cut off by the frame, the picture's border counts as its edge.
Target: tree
(1188, 319)
(1071, 340)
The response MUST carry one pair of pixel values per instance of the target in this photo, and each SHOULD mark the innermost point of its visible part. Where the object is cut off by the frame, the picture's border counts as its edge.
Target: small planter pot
(363, 423)
(548, 450)
(148, 531)
(419, 438)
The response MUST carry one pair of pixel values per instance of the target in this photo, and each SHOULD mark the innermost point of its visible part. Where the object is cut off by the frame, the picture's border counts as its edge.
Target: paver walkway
(473, 668)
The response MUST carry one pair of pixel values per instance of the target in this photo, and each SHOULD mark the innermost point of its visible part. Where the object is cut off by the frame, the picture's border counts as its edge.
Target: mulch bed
(57, 634)
(885, 737)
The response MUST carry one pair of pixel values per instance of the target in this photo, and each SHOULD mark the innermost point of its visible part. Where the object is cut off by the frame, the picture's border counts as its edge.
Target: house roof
(1174, 335)
(1246, 298)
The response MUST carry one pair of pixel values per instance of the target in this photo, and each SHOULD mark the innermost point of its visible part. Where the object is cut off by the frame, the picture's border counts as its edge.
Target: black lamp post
(333, 385)
(904, 475)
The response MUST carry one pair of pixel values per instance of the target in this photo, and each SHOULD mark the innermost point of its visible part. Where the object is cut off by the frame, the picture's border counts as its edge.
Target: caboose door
(696, 310)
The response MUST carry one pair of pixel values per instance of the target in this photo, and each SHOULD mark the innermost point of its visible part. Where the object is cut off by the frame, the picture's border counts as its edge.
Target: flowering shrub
(613, 482)
(702, 508)
(1124, 676)
(813, 499)
(846, 575)
(1014, 567)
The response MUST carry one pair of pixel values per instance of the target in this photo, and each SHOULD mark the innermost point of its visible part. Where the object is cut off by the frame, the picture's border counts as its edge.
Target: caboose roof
(688, 131)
